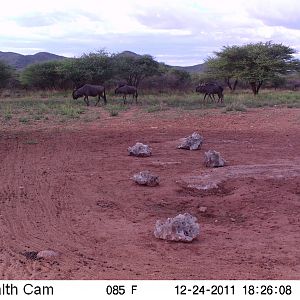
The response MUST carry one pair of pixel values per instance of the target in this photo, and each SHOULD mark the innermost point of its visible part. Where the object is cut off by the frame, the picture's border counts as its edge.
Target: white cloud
(180, 32)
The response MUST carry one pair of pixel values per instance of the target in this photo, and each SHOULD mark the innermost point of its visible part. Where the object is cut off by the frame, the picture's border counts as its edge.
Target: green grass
(31, 142)
(37, 109)
(47, 105)
(7, 113)
(70, 111)
(24, 120)
(114, 109)
(235, 107)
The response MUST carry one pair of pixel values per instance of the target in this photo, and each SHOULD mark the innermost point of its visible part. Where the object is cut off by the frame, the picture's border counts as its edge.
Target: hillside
(200, 68)
(191, 69)
(20, 61)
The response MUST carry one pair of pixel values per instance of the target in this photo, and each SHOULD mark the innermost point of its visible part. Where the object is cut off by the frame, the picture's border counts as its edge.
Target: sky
(177, 32)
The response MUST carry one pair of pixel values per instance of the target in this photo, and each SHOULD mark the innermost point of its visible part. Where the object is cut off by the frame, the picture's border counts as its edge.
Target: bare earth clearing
(67, 187)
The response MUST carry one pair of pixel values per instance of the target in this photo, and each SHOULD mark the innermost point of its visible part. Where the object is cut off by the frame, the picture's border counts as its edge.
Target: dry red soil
(67, 187)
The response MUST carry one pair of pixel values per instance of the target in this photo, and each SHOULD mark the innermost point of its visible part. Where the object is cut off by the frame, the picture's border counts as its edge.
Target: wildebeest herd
(208, 89)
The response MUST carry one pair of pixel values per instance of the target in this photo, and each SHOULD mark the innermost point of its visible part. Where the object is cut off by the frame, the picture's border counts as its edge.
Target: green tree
(225, 65)
(6, 73)
(42, 75)
(93, 68)
(135, 69)
(254, 63)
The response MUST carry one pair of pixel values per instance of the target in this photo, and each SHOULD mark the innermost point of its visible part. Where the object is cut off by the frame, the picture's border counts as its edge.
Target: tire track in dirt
(77, 198)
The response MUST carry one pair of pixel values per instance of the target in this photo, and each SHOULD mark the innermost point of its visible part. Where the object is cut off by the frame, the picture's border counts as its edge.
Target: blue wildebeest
(90, 90)
(211, 89)
(127, 90)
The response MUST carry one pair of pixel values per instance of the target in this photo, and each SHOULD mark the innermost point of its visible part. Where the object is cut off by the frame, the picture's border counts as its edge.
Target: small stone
(213, 159)
(203, 209)
(182, 228)
(139, 149)
(146, 178)
(47, 254)
(232, 219)
(192, 142)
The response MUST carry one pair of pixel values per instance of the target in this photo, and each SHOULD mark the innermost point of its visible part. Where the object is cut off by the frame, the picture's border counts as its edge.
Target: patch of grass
(24, 120)
(156, 108)
(114, 109)
(235, 107)
(70, 111)
(7, 113)
(153, 108)
(37, 117)
(91, 117)
(182, 101)
(114, 113)
(294, 105)
(31, 142)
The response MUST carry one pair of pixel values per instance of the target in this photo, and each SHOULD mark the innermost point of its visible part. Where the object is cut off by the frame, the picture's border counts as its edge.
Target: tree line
(254, 65)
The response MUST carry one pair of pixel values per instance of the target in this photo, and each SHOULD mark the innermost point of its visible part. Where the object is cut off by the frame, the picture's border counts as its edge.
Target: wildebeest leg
(211, 98)
(124, 98)
(221, 98)
(204, 97)
(220, 95)
(86, 100)
(98, 100)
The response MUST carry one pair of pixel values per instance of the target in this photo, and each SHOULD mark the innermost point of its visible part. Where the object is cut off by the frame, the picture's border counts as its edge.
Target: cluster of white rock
(183, 227)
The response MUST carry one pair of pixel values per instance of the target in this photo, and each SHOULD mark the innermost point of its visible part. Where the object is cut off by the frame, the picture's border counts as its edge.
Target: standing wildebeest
(211, 89)
(90, 90)
(127, 90)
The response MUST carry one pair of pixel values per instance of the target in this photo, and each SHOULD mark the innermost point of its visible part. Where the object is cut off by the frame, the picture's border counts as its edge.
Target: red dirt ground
(67, 187)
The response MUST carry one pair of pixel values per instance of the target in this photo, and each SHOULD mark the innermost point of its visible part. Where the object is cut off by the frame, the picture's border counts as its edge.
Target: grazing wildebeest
(90, 90)
(211, 89)
(127, 90)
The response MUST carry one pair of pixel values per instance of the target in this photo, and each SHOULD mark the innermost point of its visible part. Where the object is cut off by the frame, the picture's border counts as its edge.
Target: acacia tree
(254, 63)
(6, 73)
(135, 69)
(225, 65)
(94, 68)
(42, 75)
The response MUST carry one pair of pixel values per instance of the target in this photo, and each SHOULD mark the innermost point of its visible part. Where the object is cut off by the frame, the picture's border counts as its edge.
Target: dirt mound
(216, 179)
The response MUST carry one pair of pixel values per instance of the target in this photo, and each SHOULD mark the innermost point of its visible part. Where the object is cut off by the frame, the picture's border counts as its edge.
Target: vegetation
(42, 75)
(6, 73)
(257, 65)
(135, 69)
(252, 63)
(34, 109)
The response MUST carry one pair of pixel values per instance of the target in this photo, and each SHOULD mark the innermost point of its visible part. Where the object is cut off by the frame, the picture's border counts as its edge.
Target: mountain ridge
(21, 61)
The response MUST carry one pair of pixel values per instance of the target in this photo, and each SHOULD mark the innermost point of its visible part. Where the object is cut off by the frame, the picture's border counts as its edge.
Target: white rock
(139, 149)
(146, 178)
(183, 228)
(203, 209)
(213, 159)
(47, 254)
(192, 142)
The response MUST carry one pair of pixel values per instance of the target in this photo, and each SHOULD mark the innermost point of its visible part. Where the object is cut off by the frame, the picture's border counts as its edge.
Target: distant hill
(20, 61)
(200, 68)
(128, 54)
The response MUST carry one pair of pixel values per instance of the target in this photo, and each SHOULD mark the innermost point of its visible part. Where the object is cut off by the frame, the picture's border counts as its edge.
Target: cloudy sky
(175, 32)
